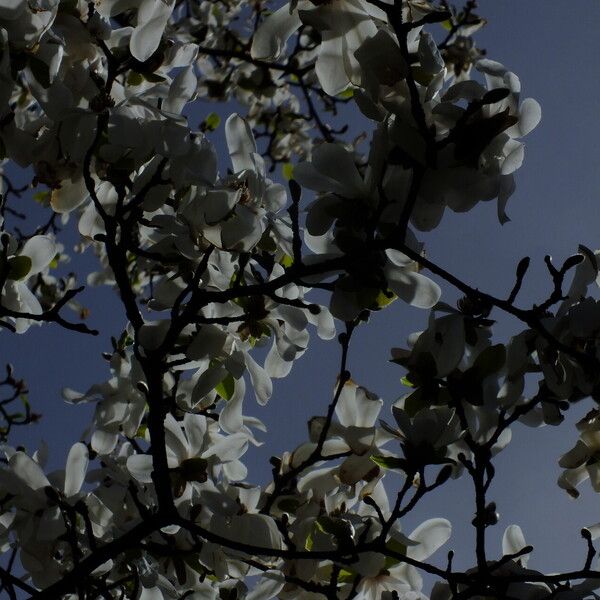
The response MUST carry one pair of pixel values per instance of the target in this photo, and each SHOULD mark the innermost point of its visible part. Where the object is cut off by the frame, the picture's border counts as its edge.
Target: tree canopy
(226, 263)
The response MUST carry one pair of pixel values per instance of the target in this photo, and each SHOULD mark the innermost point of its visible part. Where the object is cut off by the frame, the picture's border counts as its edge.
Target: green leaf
(124, 341)
(384, 298)
(226, 387)
(308, 544)
(407, 382)
(389, 462)
(345, 575)
(288, 170)
(341, 530)
(134, 78)
(286, 261)
(42, 197)
(141, 432)
(394, 546)
(212, 121)
(346, 94)
(153, 77)
(447, 24)
(18, 267)
(375, 299)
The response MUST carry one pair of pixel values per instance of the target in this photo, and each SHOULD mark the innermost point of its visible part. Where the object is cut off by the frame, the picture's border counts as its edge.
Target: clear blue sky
(553, 48)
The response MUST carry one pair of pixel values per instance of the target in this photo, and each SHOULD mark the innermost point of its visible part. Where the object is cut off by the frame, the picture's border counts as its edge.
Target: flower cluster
(223, 272)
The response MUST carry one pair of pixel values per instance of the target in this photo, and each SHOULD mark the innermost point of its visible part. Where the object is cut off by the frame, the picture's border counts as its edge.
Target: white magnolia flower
(484, 150)
(335, 222)
(26, 22)
(33, 258)
(344, 25)
(152, 17)
(357, 411)
(435, 427)
(38, 521)
(192, 453)
(236, 516)
(236, 215)
(581, 462)
(379, 576)
(120, 405)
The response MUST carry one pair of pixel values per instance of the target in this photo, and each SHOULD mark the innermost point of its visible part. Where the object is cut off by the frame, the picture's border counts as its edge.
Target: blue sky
(553, 48)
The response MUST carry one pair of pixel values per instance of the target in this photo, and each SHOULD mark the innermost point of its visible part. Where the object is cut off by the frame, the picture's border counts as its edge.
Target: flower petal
(261, 382)
(77, 463)
(330, 67)
(513, 540)
(240, 142)
(272, 36)
(104, 442)
(414, 288)
(530, 114)
(69, 195)
(430, 535)
(269, 585)
(228, 448)
(195, 427)
(28, 471)
(41, 249)
(152, 20)
(514, 157)
(181, 90)
(177, 445)
(140, 466)
(231, 418)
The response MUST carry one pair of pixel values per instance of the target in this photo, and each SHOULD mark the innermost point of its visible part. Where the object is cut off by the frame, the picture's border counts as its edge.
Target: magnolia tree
(213, 261)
